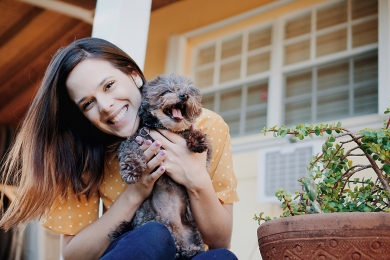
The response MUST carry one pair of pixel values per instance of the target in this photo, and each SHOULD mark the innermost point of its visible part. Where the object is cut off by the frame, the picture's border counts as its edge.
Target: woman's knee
(155, 231)
(220, 253)
(149, 241)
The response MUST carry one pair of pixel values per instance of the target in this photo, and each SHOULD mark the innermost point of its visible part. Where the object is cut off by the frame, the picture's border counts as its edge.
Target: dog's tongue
(176, 114)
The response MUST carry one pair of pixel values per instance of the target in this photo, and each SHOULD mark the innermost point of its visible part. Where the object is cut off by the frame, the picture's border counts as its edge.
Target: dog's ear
(143, 108)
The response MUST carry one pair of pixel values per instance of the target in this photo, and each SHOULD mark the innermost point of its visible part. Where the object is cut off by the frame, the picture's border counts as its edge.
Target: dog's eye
(166, 92)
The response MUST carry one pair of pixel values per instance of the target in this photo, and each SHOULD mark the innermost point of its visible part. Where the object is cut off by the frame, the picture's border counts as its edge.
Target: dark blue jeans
(154, 241)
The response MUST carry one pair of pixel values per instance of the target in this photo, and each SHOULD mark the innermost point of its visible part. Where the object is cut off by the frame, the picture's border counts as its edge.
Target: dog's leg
(197, 141)
(132, 161)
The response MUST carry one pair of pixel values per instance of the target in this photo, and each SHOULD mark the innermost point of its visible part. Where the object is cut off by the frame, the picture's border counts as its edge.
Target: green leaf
(386, 168)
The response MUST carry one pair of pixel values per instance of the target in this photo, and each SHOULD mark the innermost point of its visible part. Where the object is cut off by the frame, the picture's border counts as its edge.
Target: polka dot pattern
(72, 215)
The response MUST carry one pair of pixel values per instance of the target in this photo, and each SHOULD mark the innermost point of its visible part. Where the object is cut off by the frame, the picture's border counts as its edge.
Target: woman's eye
(109, 85)
(86, 105)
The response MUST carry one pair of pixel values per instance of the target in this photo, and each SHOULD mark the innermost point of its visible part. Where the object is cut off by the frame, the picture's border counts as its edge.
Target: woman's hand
(154, 157)
(181, 164)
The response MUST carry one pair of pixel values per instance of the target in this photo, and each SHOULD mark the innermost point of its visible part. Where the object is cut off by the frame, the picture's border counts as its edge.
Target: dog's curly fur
(172, 102)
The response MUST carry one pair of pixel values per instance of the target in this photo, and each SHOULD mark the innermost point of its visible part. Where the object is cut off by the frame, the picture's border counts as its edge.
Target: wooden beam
(30, 45)
(64, 8)
(19, 25)
(14, 107)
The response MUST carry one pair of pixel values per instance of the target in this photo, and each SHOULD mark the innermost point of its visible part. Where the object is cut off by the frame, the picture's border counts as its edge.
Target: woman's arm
(214, 219)
(92, 241)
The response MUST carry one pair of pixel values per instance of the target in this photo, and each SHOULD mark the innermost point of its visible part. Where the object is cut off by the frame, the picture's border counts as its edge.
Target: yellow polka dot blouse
(72, 215)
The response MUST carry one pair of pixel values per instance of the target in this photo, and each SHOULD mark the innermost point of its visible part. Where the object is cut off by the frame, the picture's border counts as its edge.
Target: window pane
(204, 78)
(365, 33)
(366, 85)
(297, 52)
(366, 100)
(258, 63)
(332, 42)
(230, 100)
(366, 69)
(231, 47)
(298, 84)
(206, 55)
(208, 101)
(230, 71)
(362, 8)
(257, 95)
(259, 38)
(298, 112)
(233, 122)
(332, 15)
(333, 106)
(255, 121)
(298, 26)
(333, 76)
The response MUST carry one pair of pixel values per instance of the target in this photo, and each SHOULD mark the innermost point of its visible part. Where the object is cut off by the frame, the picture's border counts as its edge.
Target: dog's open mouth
(176, 112)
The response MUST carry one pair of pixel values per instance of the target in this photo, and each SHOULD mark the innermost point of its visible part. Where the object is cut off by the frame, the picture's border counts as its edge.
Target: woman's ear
(137, 79)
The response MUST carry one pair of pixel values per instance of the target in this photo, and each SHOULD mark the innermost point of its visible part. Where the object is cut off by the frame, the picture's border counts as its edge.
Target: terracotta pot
(352, 235)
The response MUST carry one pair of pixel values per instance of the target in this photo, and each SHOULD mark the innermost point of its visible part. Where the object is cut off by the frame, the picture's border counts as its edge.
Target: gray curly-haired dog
(170, 102)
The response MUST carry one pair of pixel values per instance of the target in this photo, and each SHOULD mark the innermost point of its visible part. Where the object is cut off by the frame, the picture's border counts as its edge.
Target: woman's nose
(105, 104)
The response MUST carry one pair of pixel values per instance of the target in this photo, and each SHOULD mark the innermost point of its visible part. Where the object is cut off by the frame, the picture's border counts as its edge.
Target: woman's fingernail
(157, 144)
(162, 168)
(138, 139)
(148, 142)
(162, 153)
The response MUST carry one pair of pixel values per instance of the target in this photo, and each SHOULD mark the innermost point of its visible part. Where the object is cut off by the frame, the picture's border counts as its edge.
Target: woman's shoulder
(209, 119)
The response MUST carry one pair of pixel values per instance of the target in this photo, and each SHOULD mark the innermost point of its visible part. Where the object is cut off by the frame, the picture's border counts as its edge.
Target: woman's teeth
(119, 116)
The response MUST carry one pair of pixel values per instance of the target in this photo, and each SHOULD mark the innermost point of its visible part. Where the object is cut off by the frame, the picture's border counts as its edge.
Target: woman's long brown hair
(56, 146)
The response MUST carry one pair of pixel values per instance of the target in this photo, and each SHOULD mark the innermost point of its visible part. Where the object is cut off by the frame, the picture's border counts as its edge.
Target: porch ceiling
(30, 32)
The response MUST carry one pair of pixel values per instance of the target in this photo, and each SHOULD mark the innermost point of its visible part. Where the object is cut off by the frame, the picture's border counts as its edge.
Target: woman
(64, 160)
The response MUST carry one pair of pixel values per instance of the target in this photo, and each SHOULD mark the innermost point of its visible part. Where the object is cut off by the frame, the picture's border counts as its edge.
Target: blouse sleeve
(72, 215)
(221, 167)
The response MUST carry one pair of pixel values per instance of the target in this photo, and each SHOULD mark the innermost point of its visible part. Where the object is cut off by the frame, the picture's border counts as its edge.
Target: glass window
(332, 15)
(298, 26)
(231, 47)
(329, 65)
(341, 89)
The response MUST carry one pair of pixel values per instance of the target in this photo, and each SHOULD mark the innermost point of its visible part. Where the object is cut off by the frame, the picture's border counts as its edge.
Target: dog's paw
(197, 141)
(132, 164)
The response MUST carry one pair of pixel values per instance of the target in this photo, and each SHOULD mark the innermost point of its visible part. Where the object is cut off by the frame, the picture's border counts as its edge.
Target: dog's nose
(183, 97)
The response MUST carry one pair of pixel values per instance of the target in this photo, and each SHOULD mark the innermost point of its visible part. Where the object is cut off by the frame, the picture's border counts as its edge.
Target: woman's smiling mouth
(119, 116)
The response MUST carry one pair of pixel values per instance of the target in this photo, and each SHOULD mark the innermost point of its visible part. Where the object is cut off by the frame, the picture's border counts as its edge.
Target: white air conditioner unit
(281, 167)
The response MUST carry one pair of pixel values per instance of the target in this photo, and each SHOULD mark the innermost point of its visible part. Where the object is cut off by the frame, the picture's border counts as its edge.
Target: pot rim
(326, 221)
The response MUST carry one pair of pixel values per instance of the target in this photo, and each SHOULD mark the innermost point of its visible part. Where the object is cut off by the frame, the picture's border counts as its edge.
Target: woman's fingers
(144, 143)
(150, 148)
(156, 173)
(155, 160)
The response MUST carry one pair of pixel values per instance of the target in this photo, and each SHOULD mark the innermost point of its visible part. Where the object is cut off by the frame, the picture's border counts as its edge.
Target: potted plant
(359, 226)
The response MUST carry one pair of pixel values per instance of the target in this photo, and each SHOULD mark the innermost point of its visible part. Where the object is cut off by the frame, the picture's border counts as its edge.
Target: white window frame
(178, 46)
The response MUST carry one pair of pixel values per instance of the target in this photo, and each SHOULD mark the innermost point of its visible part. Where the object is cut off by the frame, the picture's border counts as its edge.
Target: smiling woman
(110, 100)
(64, 160)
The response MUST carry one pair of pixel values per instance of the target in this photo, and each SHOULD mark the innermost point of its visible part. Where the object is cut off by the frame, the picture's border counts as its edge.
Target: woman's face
(106, 96)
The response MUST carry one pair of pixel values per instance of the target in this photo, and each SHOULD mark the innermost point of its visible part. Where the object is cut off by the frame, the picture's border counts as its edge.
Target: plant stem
(372, 162)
